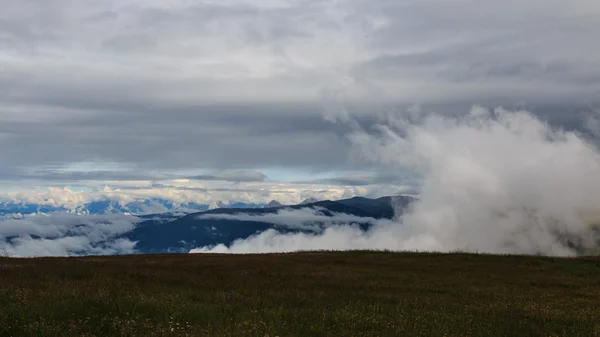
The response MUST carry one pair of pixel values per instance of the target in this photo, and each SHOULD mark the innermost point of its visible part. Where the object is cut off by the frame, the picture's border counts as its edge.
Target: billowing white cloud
(346, 237)
(494, 181)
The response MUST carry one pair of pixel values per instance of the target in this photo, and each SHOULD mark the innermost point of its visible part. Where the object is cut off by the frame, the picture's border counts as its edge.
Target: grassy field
(302, 294)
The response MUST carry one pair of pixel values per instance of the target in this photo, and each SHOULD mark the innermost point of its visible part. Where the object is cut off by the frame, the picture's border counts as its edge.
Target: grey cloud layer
(132, 54)
(235, 176)
(238, 85)
(205, 137)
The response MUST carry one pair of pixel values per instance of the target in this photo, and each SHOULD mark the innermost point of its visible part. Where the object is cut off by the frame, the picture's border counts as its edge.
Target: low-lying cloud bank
(493, 181)
(313, 219)
(321, 230)
(66, 235)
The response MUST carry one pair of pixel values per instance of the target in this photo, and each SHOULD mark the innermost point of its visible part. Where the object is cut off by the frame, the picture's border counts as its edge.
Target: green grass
(302, 294)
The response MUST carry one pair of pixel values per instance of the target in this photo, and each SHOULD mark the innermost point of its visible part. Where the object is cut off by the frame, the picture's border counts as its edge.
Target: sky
(242, 100)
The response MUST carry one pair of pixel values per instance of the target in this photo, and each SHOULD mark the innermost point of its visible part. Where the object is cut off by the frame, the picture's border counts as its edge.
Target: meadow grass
(301, 294)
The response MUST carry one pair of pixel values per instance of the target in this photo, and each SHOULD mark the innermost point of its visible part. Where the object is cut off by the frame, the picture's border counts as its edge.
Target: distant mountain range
(163, 233)
(13, 209)
(179, 228)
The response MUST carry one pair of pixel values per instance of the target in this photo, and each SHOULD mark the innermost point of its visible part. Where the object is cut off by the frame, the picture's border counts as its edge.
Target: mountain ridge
(151, 206)
(204, 229)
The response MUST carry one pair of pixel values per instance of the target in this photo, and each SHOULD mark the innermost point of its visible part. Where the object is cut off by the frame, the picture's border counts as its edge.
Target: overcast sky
(232, 96)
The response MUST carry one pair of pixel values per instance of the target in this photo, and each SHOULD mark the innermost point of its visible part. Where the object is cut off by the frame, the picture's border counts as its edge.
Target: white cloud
(182, 191)
(66, 235)
(313, 219)
(496, 181)
(333, 238)
(64, 246)
(52, 196)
